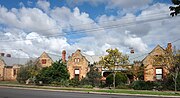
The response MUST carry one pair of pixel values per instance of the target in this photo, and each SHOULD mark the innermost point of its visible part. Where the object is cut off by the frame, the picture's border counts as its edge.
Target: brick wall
(77, 61)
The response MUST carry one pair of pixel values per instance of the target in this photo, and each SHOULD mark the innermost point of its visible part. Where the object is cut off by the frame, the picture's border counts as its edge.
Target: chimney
(64, 56)
(8, 55)
(2, 54)
(79, 50)
(169, 48)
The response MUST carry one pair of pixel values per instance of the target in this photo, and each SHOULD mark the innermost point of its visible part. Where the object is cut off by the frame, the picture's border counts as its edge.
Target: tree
(27, 71)
(175, 9)
(23, 74)
(93, 76)
(137, 71)
(175, 70)
(171, 62)
(55, 73)
(113, 60)
(120, 79)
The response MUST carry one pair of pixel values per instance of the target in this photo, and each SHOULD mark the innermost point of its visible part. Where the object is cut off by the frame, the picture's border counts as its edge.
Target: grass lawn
(108, 91)
(9, 82)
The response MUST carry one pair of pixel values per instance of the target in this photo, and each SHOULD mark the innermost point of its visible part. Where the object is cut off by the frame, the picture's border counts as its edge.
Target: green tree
(137, 71)
(176, 8)
(120, 79)
(113, 60)
(54, 74)
(93, 77)
(23, 74)
(27, 71)
(172, 62)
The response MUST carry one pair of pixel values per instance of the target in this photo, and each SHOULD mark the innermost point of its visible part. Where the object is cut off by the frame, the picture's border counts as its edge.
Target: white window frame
(159, 72)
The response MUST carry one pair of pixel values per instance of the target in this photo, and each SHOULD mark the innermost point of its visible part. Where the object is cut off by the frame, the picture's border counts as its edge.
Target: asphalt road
(30, 93)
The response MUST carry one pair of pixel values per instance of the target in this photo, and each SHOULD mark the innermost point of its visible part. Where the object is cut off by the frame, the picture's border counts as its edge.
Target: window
(76, 72)
(159, 73)
(14, 72)
(43, 61)
(76, 60)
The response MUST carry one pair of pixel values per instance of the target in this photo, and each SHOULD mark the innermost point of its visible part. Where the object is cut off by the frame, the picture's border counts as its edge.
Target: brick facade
(152, 71)
(44, 60)
(8, 73)
(77, 65)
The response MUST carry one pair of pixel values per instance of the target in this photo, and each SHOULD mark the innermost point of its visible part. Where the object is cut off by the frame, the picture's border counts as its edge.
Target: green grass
(9, 82)
(108, 91)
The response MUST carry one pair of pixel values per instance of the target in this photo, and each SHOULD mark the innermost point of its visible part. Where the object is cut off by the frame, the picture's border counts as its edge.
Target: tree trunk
(114, 80)
(175, 86)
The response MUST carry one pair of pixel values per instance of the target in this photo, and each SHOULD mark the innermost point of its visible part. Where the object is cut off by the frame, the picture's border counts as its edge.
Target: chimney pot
(2, 54)
(64, 56)
(79, 50)
(169, 47)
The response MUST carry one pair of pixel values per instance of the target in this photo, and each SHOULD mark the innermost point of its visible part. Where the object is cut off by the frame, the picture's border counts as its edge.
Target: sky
(29, 27)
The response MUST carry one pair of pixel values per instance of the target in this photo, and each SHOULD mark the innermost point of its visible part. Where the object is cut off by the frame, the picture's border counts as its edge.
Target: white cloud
(124, 5)
(91, 37)
(44, 5)
(28, 19)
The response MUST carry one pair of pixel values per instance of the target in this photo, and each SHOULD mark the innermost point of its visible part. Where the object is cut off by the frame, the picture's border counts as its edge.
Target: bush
(168, 84)
(142, 85)
(121, 79)
(74, 82)
(53, 74)
(23, 74)
(122, 87)
(63, 83)
(87, 86)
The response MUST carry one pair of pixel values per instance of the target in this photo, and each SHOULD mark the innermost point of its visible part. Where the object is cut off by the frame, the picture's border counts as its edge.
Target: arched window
(76, 60)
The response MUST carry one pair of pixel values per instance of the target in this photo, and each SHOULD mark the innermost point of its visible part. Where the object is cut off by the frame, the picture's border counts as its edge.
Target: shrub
(122, 87)
(74, 82)
(142, 85)
(87, 86)
(168, 84)
(121, 79)
(23, 75)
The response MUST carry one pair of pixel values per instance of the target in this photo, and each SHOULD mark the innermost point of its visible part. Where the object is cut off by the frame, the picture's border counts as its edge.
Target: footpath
(128, 92)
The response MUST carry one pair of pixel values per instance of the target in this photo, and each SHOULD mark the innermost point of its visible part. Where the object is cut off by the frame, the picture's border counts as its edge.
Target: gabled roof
(158, 46)
(44, 53)
(136, 57)
(10, 61)
(54, 57)
(91, 58)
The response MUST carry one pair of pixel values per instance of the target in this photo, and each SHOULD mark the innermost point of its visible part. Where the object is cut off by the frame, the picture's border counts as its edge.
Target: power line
(149, 52)
(96, 29)
(73, 26)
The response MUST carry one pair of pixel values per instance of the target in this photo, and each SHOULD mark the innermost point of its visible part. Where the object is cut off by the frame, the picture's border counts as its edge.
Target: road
(30, 93)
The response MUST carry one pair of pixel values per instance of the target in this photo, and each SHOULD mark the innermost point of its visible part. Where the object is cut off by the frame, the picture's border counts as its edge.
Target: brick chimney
(2, 54)
(169, 48)
(64, 55)
(79, 50)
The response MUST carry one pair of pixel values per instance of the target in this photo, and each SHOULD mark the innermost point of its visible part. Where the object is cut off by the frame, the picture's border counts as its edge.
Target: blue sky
(95, 10)
(90, 25)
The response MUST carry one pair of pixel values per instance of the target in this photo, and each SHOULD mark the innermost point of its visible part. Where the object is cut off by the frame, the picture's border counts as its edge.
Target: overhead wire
(149, 52)
(96, 29)
(124, 18)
